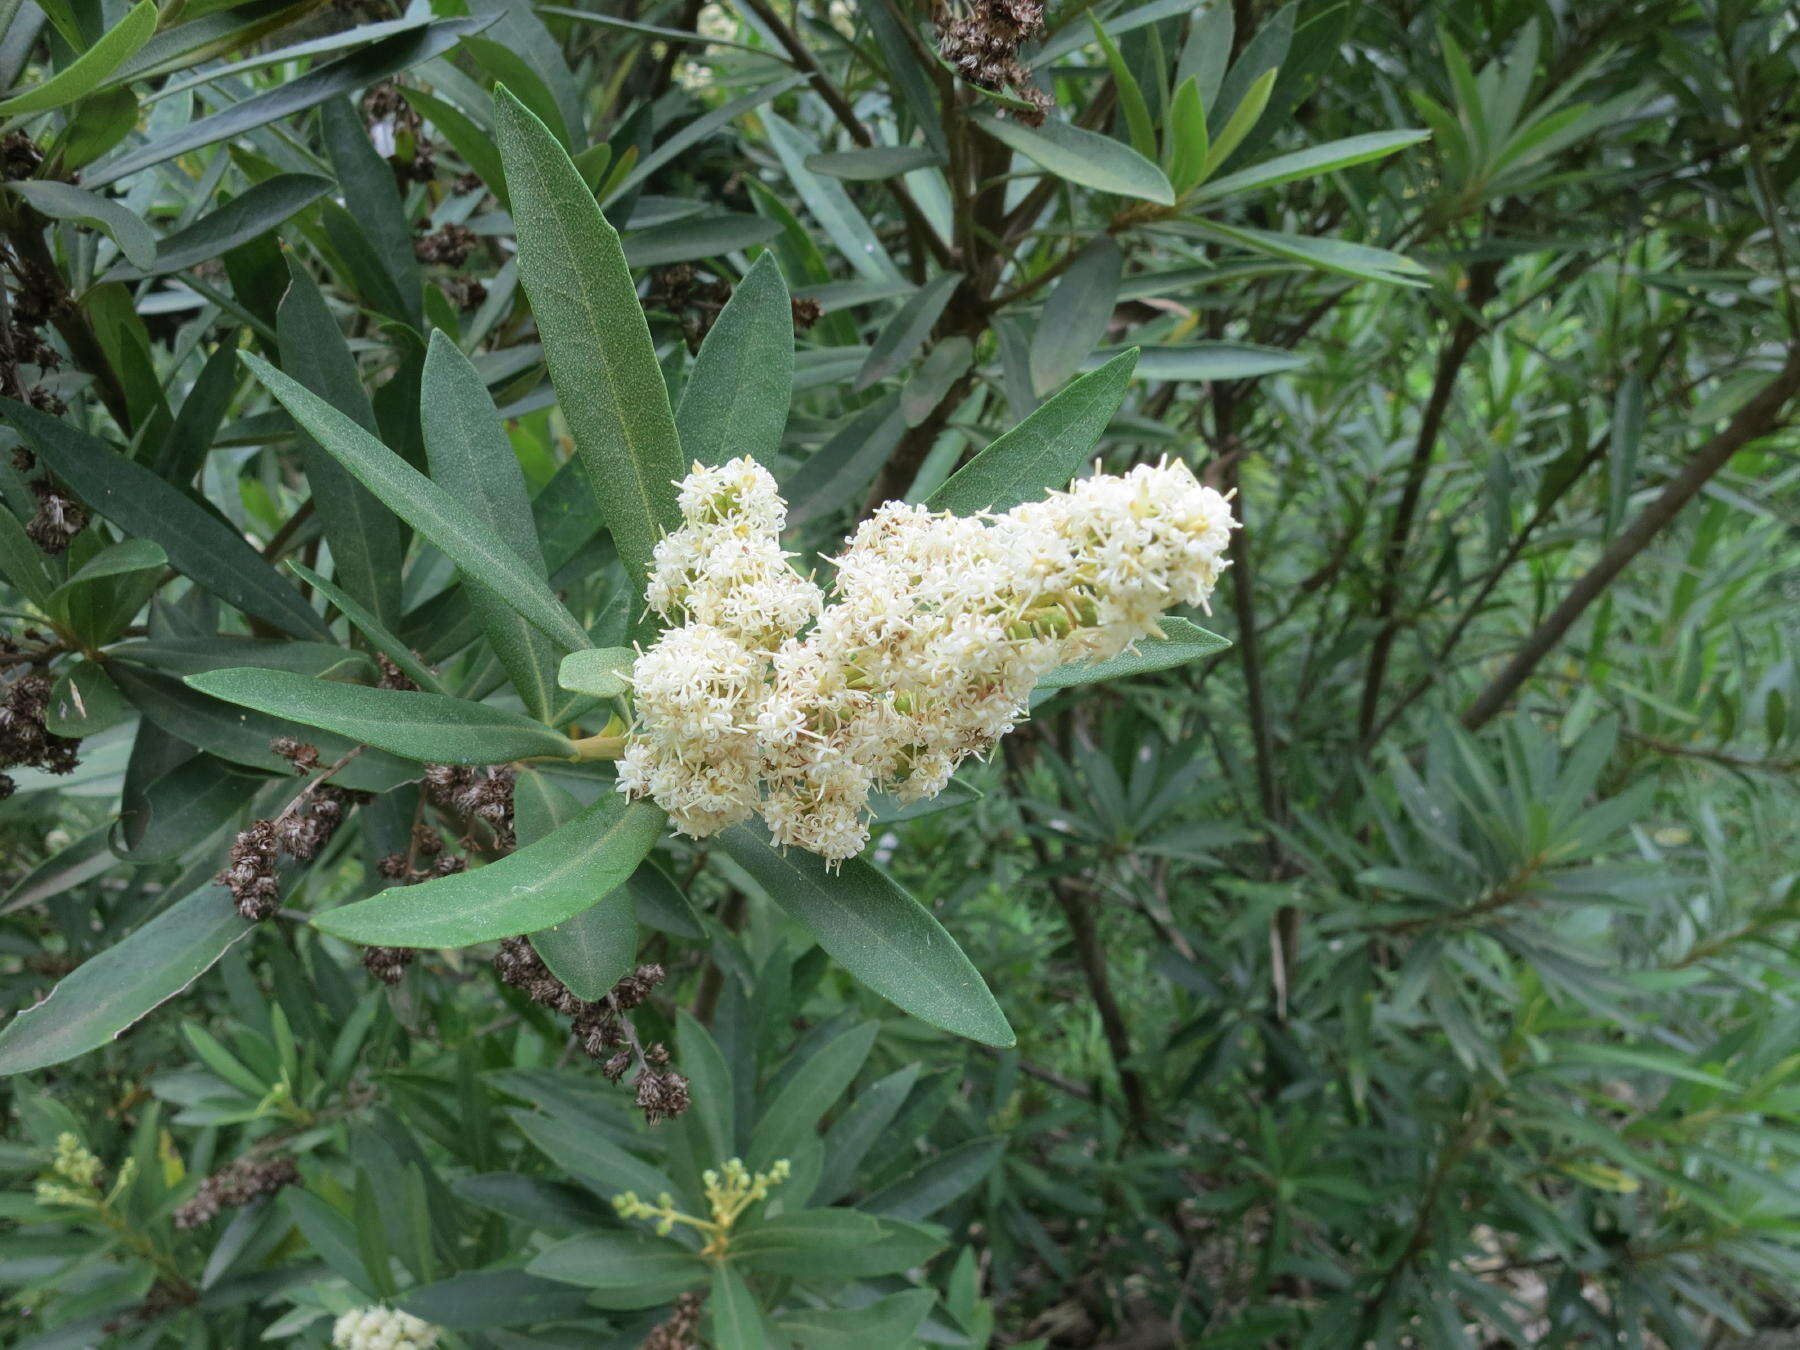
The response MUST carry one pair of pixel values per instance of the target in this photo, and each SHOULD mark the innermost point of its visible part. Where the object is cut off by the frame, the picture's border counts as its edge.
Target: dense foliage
(1406, 965)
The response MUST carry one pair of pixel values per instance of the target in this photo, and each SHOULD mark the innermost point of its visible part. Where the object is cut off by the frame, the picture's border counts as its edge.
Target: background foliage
(1414, 972)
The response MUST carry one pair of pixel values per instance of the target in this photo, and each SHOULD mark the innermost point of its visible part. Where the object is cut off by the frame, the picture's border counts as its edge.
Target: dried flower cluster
(381, 1328)
(399, 134)
(982, 42)
(300, 831)
(234, 1186)
(24, 740)
(677, 1331)
(938, 629)
(484, 795)
(601, 1027)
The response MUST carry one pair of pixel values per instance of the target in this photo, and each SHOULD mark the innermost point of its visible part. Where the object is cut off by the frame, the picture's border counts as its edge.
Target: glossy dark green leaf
(736, 398)
(380, 636)
(198, 544)
(477, 1300)
(812, 1090)
(878, 933)
(595, 338)
(367, 180)
(430, 510)
(123, 983)
(430, 728)
(552, 880)
(84, 702)
(187, 805)
(1044, 451)
(815, 1244)
(930, 1186)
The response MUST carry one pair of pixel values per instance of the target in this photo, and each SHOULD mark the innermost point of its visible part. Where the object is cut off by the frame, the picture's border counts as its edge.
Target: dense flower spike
(939, 628)
(382, 1329)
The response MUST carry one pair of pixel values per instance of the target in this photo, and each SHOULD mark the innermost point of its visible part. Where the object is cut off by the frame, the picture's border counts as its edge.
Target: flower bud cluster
(938, 629)
(382, 1329)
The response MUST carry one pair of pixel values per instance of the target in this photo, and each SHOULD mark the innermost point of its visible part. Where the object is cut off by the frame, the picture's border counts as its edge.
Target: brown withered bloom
(24, 739)
(234, 1186)
(304, 757)
(982, 39)
(391, 119)
(678, 1330)
(392, 677)
(693, 303)
(449, 244)
(388, 964)
(474, 794)
(806, 313)
(601, 1028)
(250, 871)
(19, 156)
(59, 517)
(464, 292)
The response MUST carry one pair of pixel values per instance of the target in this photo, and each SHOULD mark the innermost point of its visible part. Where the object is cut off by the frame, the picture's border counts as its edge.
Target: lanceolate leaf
(595, 337)
(430, 728)
(736, 1319)
(123, 983)
(1181, 642)
(425, 506)
(349, 74)
(1309, 163)
(1044, 451)
(736, 398)
(62, 201)
(198, 543)
(543, 884)
(250, 214)
(85, 72)
(1085, 157)
(472, 459)
(591, 951)
(877, 932)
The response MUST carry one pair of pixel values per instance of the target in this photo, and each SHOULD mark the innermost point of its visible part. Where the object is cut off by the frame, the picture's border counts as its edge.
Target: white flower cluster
(938, 629)
(382, 1329)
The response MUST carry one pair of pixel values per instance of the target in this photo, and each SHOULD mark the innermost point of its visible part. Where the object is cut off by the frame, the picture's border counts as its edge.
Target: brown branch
(1455, 352)
(1762, 414)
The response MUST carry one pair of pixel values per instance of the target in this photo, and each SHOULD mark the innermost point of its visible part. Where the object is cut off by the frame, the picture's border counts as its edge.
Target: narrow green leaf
(693, 238)
(550, 881)
(598, 672)
(647, 1270)
(425, 506)
(1243, 119)
(62, 201)
(1077, 314)
(595, 338)
(379, 635)
(1138, 122)
(1310, 163)
(1084, 157)
(114, 989)
(1181, 642)
(591, 951)
(475, 144)
(471, 458)
(835, 1244)
(199, 544)
(84, 74)
(875, 164)
(1044, 451)
(907, 330)
(736, 398)
(789, 1121)
(430, 728)
(878, 933)
(247, 216)
(1189, 147)
(736, 1320)
(347, 75)
(366, 548)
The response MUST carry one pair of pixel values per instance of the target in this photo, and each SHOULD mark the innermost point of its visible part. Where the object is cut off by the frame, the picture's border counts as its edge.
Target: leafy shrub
(423, 426)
